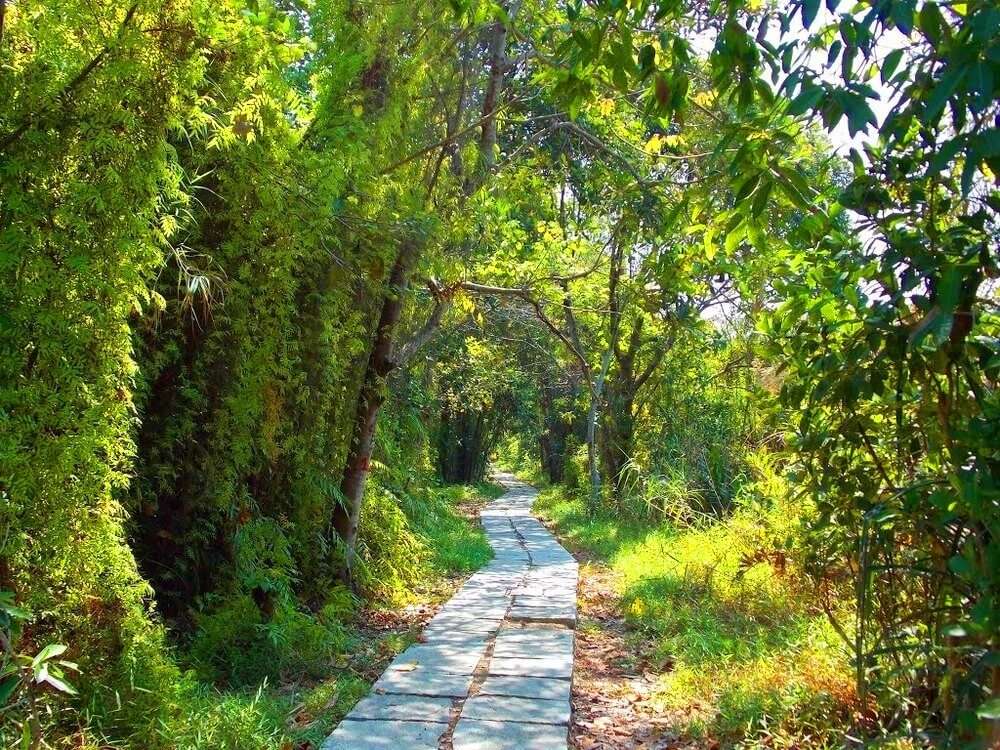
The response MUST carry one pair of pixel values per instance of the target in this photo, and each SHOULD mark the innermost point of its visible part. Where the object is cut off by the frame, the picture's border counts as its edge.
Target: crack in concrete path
(494, 670)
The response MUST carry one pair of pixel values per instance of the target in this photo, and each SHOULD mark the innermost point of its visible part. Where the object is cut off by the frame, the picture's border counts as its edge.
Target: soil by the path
(614, 684)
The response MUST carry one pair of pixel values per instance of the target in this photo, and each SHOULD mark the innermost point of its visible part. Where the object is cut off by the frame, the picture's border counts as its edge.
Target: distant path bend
(495, 666)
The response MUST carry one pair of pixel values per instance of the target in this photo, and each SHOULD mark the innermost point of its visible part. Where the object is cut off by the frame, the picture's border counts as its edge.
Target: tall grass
(723, 612)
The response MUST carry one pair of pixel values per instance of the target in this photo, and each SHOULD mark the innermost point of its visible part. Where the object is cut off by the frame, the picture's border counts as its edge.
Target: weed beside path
(697, 637)
(295, 709)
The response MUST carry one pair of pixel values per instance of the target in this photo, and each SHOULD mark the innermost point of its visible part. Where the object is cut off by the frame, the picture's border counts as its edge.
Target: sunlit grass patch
(456, 542)
(746, 655)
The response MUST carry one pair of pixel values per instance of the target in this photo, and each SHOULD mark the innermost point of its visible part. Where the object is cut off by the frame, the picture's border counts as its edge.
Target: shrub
(577, 473)
(391, 556)
(236, 645)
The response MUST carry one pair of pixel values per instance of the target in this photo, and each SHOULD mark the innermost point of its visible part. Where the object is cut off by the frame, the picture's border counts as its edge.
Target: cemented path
(493, 671)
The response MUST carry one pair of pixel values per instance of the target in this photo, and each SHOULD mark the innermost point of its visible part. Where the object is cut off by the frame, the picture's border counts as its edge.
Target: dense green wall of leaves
(186, 294)
(85, 175)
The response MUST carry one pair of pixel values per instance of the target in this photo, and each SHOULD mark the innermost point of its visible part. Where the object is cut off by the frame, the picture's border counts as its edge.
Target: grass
(447, 525)
(723, 613)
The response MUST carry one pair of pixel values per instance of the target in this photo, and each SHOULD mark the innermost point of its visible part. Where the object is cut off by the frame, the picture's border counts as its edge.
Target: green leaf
(806, 100)
(931, 22)
(49, 652)
(968, 176)
(734, 238)
(954, 630)
(859, 114)
(786, 58)
(761, 197)
(647, 58)
(990, 709)
(890, 64)
(8, 607)
(935, 324)
(941, 92)
(747, 188)
(902, 15)
(56, 681)
(7, 688)
(948, 289)
(809, 10)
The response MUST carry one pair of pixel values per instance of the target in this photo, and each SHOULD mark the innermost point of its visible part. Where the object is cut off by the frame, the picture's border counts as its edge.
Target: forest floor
(613, 683)
(683, 643)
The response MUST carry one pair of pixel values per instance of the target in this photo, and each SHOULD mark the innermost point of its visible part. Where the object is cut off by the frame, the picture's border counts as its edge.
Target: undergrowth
(722, 611)
(281, 681)
(455, 544)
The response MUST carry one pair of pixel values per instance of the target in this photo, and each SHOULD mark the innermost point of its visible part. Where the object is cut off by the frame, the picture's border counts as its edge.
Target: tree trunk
(494, 83)
(370, 400)
(619, 453)
(593, 415)
(617, 435)
(595, 472)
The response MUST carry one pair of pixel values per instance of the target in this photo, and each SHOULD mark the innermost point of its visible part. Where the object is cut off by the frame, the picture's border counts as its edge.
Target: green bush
(236, 645)
(577, 473)
(391, 556)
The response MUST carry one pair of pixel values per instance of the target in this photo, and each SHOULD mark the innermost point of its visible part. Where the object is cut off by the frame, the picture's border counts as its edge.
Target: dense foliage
(273, 271)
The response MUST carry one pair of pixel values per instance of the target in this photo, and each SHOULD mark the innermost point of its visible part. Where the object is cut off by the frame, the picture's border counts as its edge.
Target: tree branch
(420, 338)
(536, 305)
(654, 363)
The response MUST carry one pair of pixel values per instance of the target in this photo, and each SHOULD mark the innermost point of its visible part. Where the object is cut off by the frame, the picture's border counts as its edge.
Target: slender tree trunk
(595, 472)
(370, 400)
(593, 416)
(618, 432)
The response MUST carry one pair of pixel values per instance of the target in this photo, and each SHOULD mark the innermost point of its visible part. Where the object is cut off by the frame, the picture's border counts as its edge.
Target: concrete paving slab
(508, 708)
(508, 735)
(405, 707)
(542, 688)
(424, 682)
(553, 614)
(450, 625)
(561, 601)
(439, 658)
(494, 611)
(385, 735)
(524, 641)
(560, 665)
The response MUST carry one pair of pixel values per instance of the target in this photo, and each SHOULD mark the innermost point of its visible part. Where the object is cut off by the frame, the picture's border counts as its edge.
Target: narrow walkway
(493, 671)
